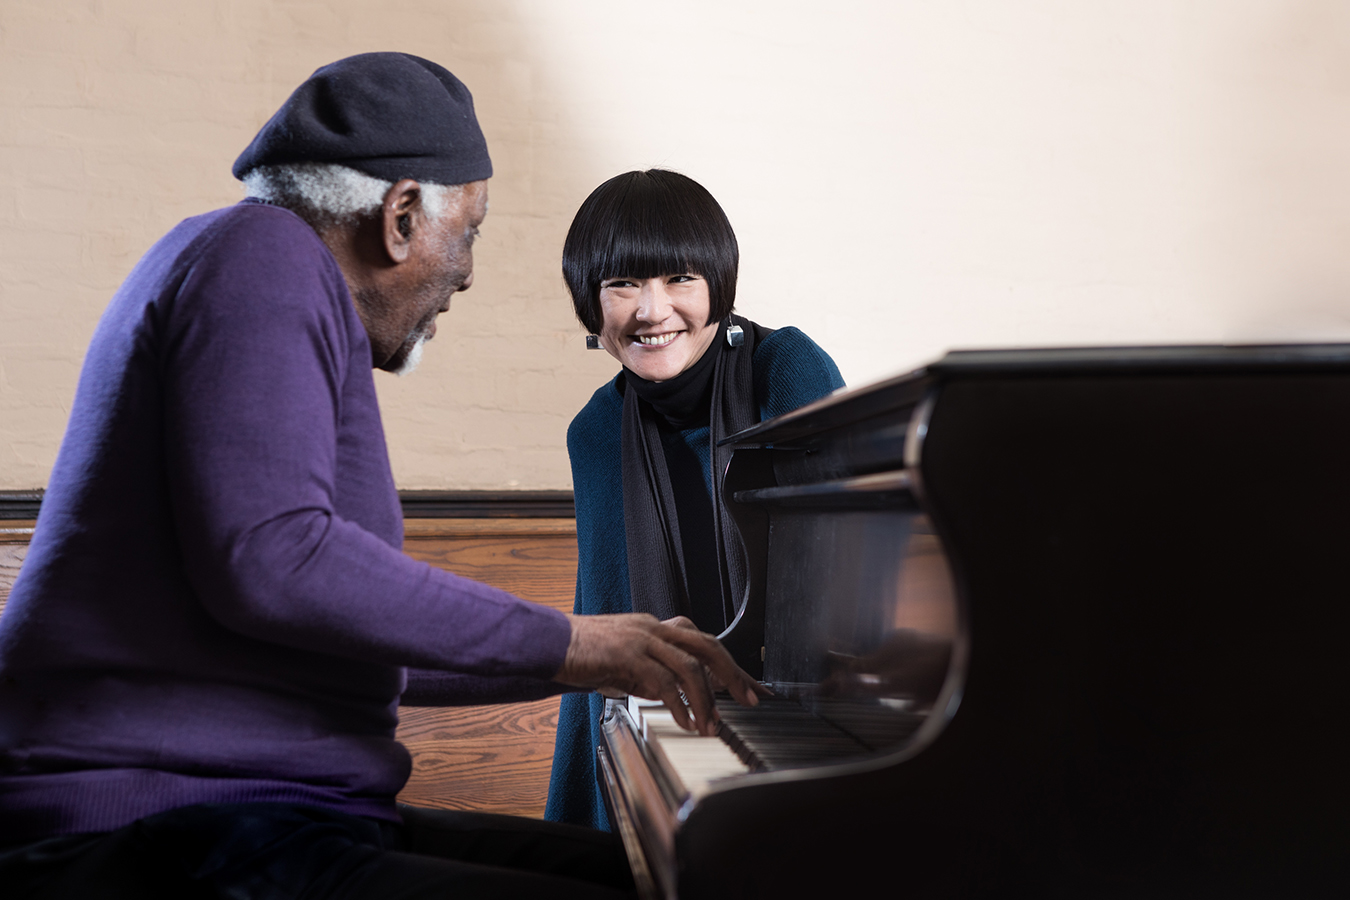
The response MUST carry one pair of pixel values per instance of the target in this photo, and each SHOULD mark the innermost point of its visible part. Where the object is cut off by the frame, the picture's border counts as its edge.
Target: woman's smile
(657, 340)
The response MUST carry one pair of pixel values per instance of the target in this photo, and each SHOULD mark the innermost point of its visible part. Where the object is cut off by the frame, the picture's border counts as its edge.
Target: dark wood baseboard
(20, 504)
(487, 504)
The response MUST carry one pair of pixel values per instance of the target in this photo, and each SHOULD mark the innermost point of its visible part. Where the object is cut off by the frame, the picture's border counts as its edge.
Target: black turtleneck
(682, 403)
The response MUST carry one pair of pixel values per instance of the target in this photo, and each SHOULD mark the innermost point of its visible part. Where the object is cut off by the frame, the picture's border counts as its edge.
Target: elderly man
(201, 664)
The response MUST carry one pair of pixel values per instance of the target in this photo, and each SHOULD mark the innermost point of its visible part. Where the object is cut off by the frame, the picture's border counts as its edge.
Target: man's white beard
(413, 358)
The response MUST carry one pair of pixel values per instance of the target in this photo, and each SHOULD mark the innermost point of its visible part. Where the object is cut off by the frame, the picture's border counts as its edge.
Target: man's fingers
(712, 654)
(681, 622)
(671, 661)
(723, 668)
(675, 703)
(692, 681)
(660, 682)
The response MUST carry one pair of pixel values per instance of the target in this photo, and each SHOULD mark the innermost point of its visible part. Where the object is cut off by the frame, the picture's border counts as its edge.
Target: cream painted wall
(905, 177)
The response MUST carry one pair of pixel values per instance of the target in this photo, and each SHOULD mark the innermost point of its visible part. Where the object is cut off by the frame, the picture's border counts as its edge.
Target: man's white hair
(328, 194)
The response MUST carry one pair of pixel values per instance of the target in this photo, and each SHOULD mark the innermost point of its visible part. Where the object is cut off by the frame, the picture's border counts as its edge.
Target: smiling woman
(651, 263)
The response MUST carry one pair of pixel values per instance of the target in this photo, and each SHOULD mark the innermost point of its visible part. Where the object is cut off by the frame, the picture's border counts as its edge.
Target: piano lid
(851, 405)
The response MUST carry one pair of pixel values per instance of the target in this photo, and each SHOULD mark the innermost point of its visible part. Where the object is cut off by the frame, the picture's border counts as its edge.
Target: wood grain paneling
(11, 557)
(491, 758)
(540, 567)
(16, 531)
(14, 537)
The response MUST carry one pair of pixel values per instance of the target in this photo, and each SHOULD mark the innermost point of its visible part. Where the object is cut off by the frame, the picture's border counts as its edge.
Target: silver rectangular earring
(592, 342)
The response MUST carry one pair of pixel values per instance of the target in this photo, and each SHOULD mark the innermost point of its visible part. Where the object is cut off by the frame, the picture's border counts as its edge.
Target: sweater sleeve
(791, 370)
(430, 687)
(253, 360)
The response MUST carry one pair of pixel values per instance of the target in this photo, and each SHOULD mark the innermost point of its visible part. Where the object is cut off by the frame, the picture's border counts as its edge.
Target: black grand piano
(1062, 623)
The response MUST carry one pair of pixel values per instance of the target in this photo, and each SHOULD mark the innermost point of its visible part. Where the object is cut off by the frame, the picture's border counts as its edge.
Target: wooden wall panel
(532, 558)
(490, 758)
(14, 537)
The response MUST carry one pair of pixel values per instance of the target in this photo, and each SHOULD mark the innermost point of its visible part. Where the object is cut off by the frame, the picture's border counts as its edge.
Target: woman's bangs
(647, 252)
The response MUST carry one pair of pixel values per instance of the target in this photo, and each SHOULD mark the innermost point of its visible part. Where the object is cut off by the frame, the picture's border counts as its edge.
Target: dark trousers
(261, 851)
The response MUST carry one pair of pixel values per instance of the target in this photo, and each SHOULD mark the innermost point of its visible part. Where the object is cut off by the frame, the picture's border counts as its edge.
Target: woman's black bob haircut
(645, 224)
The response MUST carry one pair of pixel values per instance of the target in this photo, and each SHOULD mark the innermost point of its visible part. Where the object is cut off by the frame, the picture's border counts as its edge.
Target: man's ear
(401, 218)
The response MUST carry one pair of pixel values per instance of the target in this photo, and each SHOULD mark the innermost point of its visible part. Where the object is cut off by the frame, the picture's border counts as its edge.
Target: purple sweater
(215, 607)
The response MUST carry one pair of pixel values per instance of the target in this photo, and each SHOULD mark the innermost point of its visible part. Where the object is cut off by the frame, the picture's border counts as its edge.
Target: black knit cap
(389, 115)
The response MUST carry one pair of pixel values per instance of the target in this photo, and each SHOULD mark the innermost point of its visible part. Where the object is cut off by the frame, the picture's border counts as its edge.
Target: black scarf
(718, 389)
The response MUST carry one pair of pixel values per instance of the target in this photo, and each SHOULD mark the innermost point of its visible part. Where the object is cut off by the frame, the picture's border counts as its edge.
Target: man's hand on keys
(671, 661)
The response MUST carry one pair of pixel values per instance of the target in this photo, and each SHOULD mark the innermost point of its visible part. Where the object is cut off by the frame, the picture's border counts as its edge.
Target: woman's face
(657, 327)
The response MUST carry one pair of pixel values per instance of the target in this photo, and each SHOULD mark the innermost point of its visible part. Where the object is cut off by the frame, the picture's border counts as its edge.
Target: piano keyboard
(654, 773)
(696, 760)
(779, 733)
